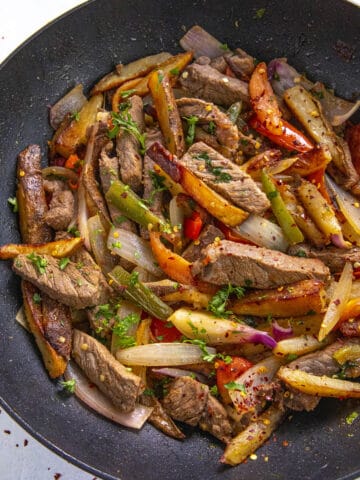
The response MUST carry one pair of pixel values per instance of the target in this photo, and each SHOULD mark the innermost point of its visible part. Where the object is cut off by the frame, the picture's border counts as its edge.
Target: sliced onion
(200, 42)
(178, 372)
(341, 118)
(337, 302)
(282, 165)
(263, 233)
(348, 204)
(280, 333)
(98, 244)
(162, 354)
(256, 377)
(176, 212)
(96, 400)
(72, 102)
(60, 172)
(338, 240)
(130, 246)
(300, 345)
(21, 318)
(283, 76)
(83, 216)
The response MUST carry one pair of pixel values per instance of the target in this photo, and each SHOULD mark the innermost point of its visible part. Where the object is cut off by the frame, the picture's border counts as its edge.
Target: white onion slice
(83, 216)
(176, 213)
(253, 379)
(21, 318)
(348, 204)
(341, 118)
(130, 246)
(178, 372)
(162, 354)
(263, 233)
(337, 302)
(96, 400)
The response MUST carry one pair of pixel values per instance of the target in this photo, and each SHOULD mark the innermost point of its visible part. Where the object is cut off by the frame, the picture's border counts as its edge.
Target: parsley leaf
(158, 184)
(212, 128)
(175, 71)
(121, 329)
(69, 385)
(123, 121)
(134, 279)
(39, 262)
(13, 202)
(224, 46)
(214, 390)
(350, 419)
(127, 93)
(37, 298)
(217, 304)
(75, 116)
(260, 13)
(191, 123)
(235, 386)
(218, 172)
(63, 263)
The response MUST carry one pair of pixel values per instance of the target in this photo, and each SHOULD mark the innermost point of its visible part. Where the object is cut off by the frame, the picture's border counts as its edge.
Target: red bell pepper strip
(290, 138)
(193, 226)
(229, 372)
(164, 331)
(318, 179)
(232, 235)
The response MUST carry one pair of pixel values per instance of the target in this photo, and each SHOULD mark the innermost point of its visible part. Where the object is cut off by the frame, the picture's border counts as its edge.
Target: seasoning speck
(253, 456)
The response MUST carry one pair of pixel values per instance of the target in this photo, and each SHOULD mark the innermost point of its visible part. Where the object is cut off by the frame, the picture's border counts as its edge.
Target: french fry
(123, 92)
(75, 133)
(319, 386)
(250, 439)
(292, 300)
(58, 249)
(133, 70)
(168, 115)
(189, 295)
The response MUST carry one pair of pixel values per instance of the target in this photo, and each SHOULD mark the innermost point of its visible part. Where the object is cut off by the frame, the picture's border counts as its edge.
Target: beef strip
(205, 82)
(320, 363)
(110, 376)
(31, 197)
(240, 63)
(348, 177)
(57, 325)
(127, 148)
(61, 210)
(163, 287)
(189, 401)
(350, 328)
(160, 419)
(239, 188)
(333, 257)
(207, 236)
(245, 265)
(219, 63)
(225, 132)
(77, 285)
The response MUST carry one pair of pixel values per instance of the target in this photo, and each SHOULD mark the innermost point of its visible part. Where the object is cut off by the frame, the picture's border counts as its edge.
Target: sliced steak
(163, 287)
(31, 197)
(351, 328)
(77, 285)
(206, 237)
(189, 401)
(225, 177)
(226, 133)
(57, 325)
(61, 210)
(110, 376)
(240, 63)
(333, 257)
(245, 265)
(205, 82)
(127, 148)
(160, 419)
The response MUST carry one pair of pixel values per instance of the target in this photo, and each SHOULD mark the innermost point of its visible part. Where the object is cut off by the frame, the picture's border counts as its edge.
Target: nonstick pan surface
(320, 38)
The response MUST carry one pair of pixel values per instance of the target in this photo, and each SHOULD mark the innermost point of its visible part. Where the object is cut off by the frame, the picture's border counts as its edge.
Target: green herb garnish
(216, 171)
(260, 13)
(127, 93)
(350, 419)
(39, 262)
(37, 298)
(121, 328)
(63, 263)
(14, 204)
(212, 128)
(158, 184)
(217, 304)
(69, 385)
(235, 386)
(75, 116)
(134, 279)
(123, 121)
(191, 123)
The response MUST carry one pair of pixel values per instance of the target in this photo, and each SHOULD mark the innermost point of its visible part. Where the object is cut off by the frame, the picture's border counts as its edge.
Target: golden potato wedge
(250, 439)
(58, 249)
(292, 300)
(319, 386)
(124, 91)
(299, 345)
(75, 133)
(189, 295)
(131, 71)
(167, 111)
(54, 363)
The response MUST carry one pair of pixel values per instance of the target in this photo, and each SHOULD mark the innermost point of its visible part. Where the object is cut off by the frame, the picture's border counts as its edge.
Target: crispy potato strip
(58, 249)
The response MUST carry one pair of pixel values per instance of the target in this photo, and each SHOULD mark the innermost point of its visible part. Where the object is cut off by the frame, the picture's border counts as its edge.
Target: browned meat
(351, 328)
(348, 177)
(127, 148)
(77, 285)
(163, 287)
(240, 63)
(160, 419)
(219, 63)
(57, 325)
(334, 258)
(31, 197)
(112, 378)
(207, 236)
(245, 265)
(318, 363)
(225, 177)
(206, 82)
(61, 210)
(225, 132)
(189, 401)
(352, 136)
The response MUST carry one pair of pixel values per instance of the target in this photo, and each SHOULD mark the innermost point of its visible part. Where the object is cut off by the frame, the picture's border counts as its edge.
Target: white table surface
(21, 456)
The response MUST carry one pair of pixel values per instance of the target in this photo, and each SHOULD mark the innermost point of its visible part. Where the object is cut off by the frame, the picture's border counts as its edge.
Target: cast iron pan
(81, 47)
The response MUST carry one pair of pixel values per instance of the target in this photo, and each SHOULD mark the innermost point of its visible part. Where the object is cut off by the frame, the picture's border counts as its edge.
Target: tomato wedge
(229, 372)
(291, 138)
(193, 226)
(164, 331)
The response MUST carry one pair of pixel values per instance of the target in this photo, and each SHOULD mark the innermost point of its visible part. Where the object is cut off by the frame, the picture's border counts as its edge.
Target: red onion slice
(178, 372)
(281, 333)
(94, 399)
(200, 42)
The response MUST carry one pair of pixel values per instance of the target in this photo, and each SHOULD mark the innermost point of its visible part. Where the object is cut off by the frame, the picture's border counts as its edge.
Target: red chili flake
(285, 443)
(57, 476)
(337, 301)
(26, 442)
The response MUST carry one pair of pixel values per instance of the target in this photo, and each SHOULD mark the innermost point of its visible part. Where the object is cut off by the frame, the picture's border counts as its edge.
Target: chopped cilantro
(74, 231)
(212, 128)
(160, 77)
(175, 71)
(134, 279)
(63, 263)
(217, 304)
(350, 419)
(206, 356)
(235, 386)
(127, 93)
(158, 184)
(291, 356)
(39, 262)
(191, 123)
(116, 244)
(216, 171)
(123, 121)
(301, 253)
(69, 385)
(120, 219)
(272, 194)
(149, 392)
(259, 13)
(37, 298)
(14, 204)
(121, 328)
(319, 95)
(214, 391)
(75, 116)
(224, 46)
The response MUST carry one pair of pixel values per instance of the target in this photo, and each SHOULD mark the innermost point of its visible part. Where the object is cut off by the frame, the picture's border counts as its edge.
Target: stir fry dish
(191, 251)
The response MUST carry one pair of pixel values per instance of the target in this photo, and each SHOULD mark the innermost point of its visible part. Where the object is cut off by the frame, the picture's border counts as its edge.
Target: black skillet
(320, 38)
